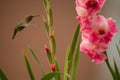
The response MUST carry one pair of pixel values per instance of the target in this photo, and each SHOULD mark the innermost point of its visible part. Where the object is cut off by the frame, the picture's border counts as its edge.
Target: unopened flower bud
(46, 48)
(52, 66)
(51, 35)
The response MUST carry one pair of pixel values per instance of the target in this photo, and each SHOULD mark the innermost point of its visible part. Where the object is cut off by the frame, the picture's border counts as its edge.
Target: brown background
(11, 57)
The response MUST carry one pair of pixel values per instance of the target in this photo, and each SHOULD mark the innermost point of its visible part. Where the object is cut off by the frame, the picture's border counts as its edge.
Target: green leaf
(2, 75)
(116, 71)
(73, 44)
(49, 56)
(46, 27)
(34, 55)
(50, 36)
(109, 67)
(53, 44)
(45, 4)
(57, 70)
(118, 49)
(70, 52)
(76, 59)
(49, 12)
(49, 76)
(50, 17)
(28, 66)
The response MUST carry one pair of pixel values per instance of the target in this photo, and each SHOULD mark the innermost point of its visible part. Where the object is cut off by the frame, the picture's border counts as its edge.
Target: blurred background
(11, 57)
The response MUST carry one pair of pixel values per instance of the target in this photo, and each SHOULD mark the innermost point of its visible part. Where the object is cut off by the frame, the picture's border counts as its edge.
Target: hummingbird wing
(17, 29)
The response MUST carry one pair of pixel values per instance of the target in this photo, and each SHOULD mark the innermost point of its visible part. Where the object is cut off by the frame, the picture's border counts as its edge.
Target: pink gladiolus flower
(97, 33)
(94, 51)
(88, 7)
(99, 29)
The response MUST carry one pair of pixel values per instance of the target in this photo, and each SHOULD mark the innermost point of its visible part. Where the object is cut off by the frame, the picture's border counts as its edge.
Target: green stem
(109, 67)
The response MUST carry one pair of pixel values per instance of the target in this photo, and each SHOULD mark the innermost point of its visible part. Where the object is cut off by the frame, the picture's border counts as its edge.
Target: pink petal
(101, 2)
(86, 25)
(93, 7)
(81, 2)
(83, 47)
(99, 22)
(99, 58)
(93, 38)
(108, 37)
(96, 57)
(112, 25)
(88, 7)
(78, 18)
(81, 11)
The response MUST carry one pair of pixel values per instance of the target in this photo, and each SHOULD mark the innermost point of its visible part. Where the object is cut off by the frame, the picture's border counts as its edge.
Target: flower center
(101, 32)
(91, 3)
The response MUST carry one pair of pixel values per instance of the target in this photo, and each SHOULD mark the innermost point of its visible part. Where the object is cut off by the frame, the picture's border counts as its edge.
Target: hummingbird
(22, 24)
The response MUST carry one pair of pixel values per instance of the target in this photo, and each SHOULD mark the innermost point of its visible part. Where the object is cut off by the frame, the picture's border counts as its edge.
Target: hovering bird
(21, 25)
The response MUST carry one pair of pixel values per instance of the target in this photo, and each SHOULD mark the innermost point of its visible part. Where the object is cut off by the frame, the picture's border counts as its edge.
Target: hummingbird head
(29, 18)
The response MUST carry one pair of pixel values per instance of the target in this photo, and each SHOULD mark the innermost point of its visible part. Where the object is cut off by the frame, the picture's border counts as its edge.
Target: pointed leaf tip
(28, 66)
(2, 75)
(118, 49)
(34, 55)
(70, 52)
